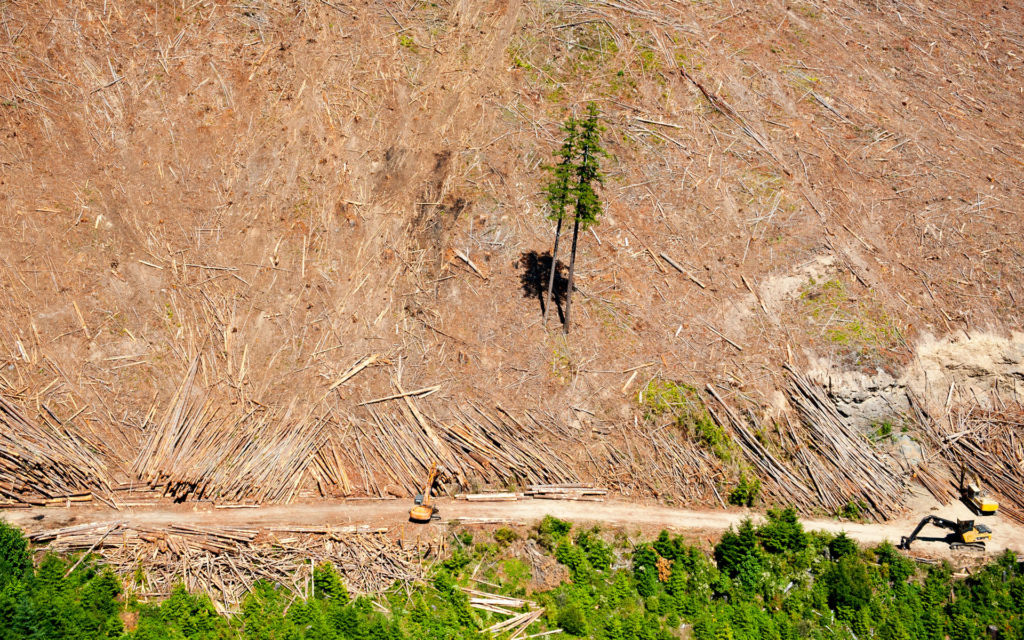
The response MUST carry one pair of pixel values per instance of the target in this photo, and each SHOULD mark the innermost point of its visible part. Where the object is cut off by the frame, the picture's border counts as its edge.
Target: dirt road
(389, 513)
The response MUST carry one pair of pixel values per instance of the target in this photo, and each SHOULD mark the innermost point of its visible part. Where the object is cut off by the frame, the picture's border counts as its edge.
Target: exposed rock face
(943, 369)
(866, 399)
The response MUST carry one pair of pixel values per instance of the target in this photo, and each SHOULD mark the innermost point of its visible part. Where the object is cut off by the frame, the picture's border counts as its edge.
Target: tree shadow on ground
(535, 272)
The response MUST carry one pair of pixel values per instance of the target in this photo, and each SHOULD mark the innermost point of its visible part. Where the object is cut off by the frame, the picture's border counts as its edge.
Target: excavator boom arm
(430, 484)
(958, 527)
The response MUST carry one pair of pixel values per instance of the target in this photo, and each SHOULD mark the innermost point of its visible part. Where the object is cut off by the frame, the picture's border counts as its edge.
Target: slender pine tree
(587, 207)
(560, 192)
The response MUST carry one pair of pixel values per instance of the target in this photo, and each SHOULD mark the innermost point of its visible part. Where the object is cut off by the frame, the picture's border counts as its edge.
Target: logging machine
(424, 509)
(964, 533)
(972, 495)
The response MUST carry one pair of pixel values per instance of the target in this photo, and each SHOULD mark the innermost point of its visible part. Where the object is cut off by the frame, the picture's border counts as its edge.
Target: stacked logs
(45, 463)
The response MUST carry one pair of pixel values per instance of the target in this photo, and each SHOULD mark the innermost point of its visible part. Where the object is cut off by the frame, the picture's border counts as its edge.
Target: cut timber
(356, 368)
(425, 391)
(489, 497)
(683, 271)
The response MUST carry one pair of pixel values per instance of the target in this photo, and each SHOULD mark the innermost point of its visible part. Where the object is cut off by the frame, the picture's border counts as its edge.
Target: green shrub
(572, 621)
(665, 396)
(681, 401)
(852, 510)
(745, 493)
(505, 536)
(551, 531)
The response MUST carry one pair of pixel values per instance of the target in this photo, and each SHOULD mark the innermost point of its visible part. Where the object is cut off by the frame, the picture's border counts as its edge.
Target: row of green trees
(773, 582)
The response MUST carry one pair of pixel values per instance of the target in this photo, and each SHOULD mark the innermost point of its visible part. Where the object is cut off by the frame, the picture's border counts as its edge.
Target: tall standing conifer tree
(561, 191)
(587, 207)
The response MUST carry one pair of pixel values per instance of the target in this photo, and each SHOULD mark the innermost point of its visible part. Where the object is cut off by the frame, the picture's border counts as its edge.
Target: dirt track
(395, 512)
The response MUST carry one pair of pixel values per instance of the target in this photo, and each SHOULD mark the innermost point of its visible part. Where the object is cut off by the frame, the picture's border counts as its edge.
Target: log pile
(825, 464)
(648, 459)
(194, 454)
(226, 562)
(778, 479)
(941, 488)
(987, 443)
(46, 462)
(475, 446)
(575, 491)
(518, 621)
(854, 470)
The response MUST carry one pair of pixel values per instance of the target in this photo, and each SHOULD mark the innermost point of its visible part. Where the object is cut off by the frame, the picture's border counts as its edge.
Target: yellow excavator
(971, 494)
(964, 533)
(424, 510)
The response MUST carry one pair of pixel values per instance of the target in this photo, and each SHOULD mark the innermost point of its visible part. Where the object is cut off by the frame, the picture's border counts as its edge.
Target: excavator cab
(976, 535)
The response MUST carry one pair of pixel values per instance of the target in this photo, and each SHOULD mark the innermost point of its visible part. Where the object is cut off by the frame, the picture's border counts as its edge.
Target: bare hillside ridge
(284, 192)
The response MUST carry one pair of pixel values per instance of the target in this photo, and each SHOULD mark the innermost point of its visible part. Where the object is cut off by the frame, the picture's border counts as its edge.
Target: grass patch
(683, 404)
(858, 328)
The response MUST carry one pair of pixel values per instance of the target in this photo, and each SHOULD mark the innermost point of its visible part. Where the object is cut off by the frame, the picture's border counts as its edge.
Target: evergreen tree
(841, 546)
(738, 554)
(560, 192)
(645, 570)
(15, 561)
(588, 175)
(783, 532)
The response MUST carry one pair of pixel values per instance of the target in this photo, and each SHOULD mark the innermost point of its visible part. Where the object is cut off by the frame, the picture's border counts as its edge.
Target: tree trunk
(572, 271)
(554, 265)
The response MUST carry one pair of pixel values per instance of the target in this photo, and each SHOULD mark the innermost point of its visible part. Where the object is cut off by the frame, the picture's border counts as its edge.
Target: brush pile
(226, 562)
(46, 462)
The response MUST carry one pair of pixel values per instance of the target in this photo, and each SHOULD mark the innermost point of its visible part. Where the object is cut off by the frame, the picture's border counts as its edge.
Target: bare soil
(286, 186)
(626, 516)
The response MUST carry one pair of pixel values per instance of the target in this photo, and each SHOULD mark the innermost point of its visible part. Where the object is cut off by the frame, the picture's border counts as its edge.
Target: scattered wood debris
(515, 626)
(226, 562)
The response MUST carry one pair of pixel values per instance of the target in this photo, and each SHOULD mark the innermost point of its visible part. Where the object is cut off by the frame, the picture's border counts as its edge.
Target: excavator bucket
(421, 513)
